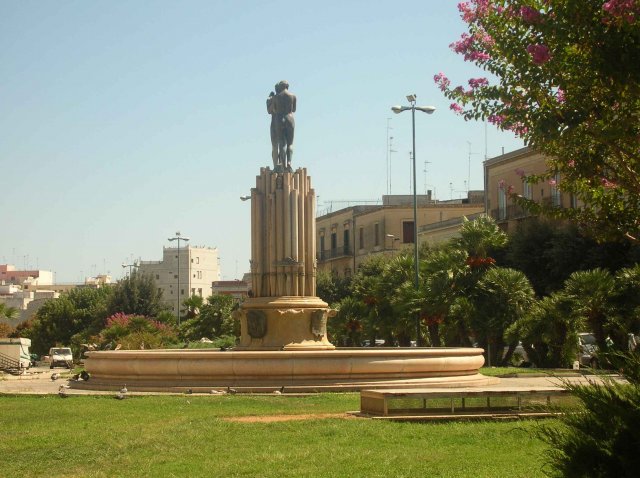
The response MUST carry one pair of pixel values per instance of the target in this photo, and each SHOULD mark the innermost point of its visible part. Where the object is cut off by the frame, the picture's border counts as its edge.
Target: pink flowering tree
(564, 76)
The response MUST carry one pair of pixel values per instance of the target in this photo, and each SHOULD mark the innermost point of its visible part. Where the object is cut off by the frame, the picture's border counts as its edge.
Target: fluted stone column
(283, 312)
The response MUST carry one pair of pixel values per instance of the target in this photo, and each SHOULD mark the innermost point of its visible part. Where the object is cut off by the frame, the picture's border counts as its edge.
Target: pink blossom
(501, 184)
(510, 189)
(496, 119)
(539, 53)
(560, 96)
(621, 10)
(520, 172)
(469, 46)
(442, 81)
(530, 15)
(608, 184)
(477, 82)
(456, 108)
(571, 163)
(552, 182)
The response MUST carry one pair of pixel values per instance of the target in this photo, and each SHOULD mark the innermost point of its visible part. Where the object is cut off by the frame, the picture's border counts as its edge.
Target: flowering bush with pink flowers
(562, 75)
(137, 331)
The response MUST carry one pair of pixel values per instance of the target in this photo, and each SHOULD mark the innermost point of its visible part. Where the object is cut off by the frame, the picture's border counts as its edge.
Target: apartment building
(10, 275)
(507, 173)
(195, 268)
(347, 237)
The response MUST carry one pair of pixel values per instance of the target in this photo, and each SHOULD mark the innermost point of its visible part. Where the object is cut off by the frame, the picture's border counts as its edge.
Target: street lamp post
(428, 110)
(130, 266)
(178, 238)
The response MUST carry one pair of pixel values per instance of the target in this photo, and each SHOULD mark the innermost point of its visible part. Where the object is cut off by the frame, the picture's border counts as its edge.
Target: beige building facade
(347, 237)
(507, 173)
(196, 268)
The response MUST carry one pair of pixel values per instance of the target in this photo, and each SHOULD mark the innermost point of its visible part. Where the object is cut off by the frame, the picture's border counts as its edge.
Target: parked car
(588, 356)
(60, 357)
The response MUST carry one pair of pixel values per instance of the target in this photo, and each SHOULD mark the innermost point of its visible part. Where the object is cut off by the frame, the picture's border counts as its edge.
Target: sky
(123, 122)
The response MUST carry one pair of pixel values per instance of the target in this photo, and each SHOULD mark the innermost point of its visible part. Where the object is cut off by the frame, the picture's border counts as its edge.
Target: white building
(196, 268)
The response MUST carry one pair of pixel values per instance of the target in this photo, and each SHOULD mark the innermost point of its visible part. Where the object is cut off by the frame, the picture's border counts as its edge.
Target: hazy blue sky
(125, 121)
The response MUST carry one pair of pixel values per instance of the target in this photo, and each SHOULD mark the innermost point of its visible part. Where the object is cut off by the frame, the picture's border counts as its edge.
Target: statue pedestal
(284, 323)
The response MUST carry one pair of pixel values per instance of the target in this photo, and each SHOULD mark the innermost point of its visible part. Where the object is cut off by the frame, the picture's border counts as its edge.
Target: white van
(60, 357)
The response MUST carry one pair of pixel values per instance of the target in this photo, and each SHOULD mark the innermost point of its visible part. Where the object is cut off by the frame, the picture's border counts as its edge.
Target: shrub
(602, 437)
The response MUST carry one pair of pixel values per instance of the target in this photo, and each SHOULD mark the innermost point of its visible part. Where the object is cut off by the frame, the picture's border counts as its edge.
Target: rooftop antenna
(391, 150)
(468, 181)
(425, 176)
(389, 138)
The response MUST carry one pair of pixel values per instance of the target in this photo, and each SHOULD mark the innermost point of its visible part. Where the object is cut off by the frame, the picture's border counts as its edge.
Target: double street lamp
(428, 110)
(178, 238)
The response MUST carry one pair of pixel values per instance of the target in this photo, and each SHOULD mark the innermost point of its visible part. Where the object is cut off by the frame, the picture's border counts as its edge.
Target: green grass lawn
(188, 436)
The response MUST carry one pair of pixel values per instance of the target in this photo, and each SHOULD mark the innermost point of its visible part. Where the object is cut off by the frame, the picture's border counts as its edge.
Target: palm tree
(592, 293)
(10, 313)
(192, 306)
(480, 236)
(503, 296)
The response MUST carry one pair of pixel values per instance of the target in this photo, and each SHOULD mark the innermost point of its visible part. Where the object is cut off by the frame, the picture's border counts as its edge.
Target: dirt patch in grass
(287, 418)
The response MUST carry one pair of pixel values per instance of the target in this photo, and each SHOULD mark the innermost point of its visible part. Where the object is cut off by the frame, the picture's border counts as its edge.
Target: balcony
(511, 212)
(335, 253)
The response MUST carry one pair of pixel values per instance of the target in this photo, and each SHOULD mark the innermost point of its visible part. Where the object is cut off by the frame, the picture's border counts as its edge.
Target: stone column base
(284, 323)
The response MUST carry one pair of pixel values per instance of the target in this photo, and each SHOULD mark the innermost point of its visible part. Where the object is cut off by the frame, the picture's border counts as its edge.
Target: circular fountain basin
(343, 369)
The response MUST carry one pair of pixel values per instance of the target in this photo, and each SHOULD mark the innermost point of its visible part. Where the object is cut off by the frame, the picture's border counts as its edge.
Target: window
(175, 276)
(346, 241)
(376, 234)
(527, 193)
(556, 195)
(334, 241)
(407, 232)
(502, 203)
(197, 260)
(157, 276)
(200, 292)
(322, 247)
(361, 238)
(193, 292)
(199, 274)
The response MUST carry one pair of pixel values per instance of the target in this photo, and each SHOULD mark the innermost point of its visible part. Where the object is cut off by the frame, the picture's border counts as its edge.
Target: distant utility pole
(388, 157)
(469, 168)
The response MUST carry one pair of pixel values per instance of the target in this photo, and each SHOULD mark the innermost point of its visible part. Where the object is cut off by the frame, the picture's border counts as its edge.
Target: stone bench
(376, 402)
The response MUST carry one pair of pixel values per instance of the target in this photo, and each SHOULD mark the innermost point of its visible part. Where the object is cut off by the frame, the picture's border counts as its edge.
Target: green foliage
(501, 297)
(331, 288)
(137, 294)
(601, 438)
(568, 84)
(214, 319)
(591, 293)
(549, 332)
(549, 251)
(80, 311)
(10, 313)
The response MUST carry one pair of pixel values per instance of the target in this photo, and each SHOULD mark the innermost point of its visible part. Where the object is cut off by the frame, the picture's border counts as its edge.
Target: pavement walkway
(37, 381)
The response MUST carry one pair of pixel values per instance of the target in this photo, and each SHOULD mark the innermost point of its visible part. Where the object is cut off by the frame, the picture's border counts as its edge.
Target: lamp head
(426, 109)
(397, 109)
(411, 98)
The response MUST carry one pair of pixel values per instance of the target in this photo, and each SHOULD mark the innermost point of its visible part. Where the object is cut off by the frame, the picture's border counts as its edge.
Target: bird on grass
(124, 389)
(62, 392)
(232, 391)
(84, 375)
(55, 376)
(120, 396)
(75, 377)
(188, 391)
